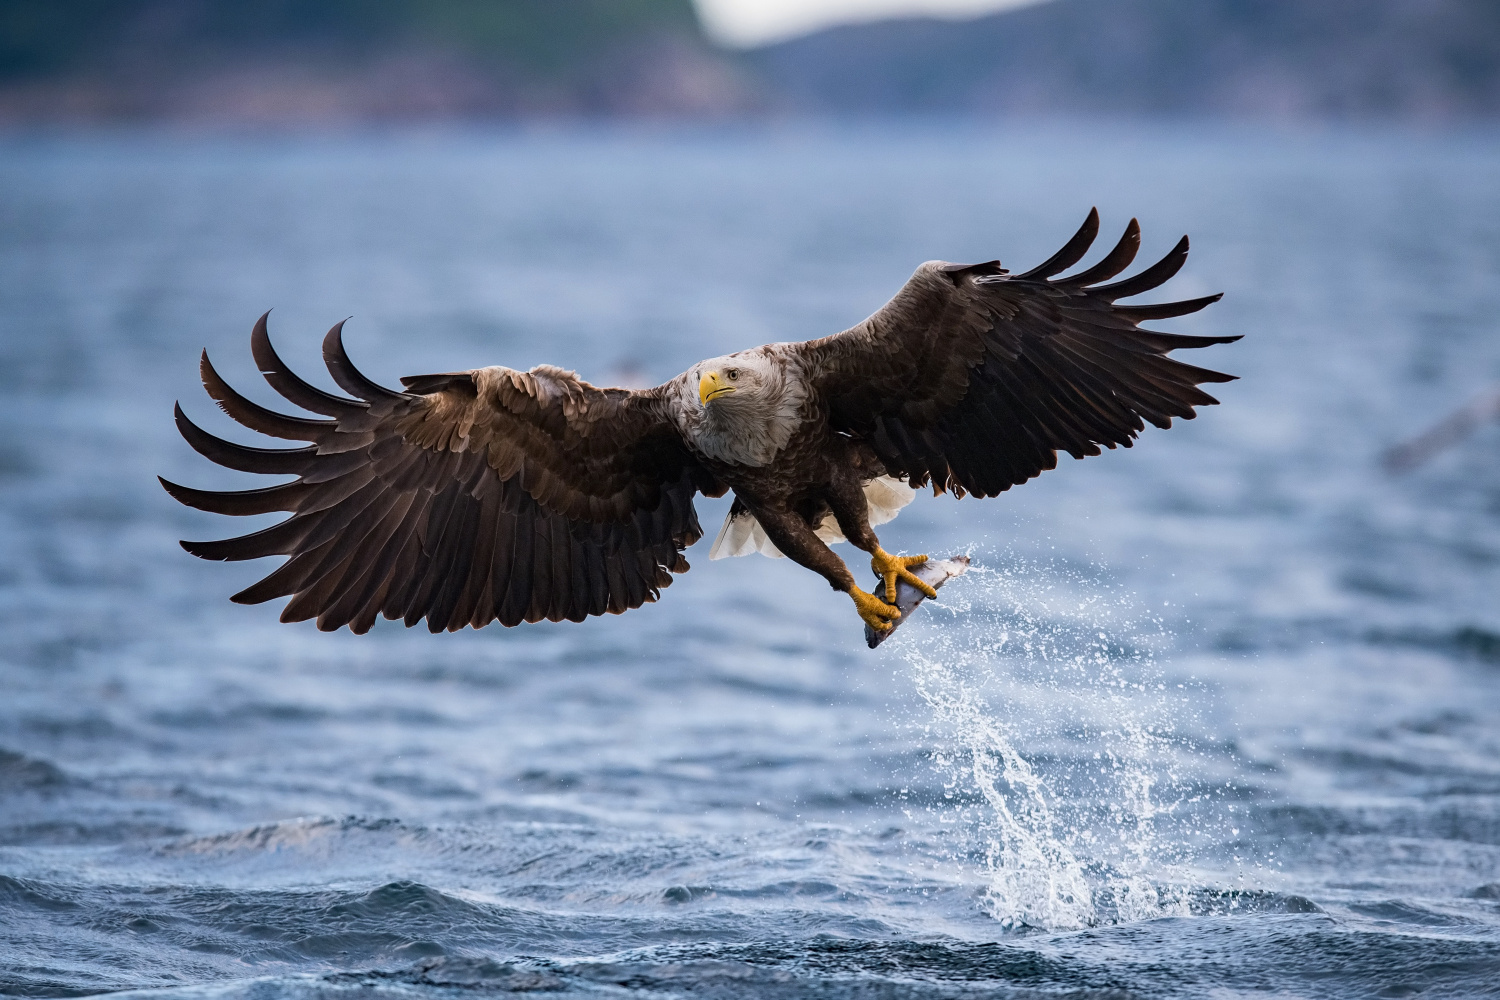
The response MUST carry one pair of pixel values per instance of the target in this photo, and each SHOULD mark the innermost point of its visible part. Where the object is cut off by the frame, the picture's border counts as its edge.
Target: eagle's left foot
(873, 611)
(892, 568)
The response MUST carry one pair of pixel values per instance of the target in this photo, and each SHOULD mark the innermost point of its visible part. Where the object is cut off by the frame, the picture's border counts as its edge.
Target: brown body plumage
(516, 496)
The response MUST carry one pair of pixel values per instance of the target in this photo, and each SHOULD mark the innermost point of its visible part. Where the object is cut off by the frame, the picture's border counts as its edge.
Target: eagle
(514, 496)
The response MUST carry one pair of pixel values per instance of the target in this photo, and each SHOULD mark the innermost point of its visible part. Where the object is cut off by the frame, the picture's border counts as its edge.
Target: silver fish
(934, 573)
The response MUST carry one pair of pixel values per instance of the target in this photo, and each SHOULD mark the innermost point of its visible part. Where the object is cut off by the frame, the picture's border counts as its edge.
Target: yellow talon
(892, 568)
(876, 613)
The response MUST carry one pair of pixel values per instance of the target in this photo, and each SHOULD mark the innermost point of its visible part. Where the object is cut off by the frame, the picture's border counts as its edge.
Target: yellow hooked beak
(711, 386)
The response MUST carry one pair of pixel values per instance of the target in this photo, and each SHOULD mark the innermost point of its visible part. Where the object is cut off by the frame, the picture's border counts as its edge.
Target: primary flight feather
(501, 495)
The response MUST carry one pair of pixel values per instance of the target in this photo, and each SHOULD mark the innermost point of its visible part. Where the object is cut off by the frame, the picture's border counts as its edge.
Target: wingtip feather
(350, 378)
(289, 384)
(1071, 253)
(1157, 274)
(1117, 260)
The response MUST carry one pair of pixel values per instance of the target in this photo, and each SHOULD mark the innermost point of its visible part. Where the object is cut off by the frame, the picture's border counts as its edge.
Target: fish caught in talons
(934, 573)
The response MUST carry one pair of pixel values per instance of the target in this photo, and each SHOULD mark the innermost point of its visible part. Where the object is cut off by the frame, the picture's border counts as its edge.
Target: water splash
(1094, 823)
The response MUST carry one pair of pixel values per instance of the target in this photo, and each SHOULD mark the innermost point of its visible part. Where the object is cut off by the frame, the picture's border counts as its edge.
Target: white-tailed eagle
(510, 496)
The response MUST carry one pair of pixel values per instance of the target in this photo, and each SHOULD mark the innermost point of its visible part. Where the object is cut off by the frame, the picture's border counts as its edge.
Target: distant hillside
(321, 61)
(313, 60)
(1286, 58)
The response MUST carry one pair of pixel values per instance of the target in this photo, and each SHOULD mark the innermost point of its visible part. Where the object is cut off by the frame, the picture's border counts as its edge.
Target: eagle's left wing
(973, 379)
(473, 496)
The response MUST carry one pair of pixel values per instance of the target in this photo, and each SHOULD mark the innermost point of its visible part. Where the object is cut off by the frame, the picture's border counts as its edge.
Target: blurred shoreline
(1059, 131)
(323, 64)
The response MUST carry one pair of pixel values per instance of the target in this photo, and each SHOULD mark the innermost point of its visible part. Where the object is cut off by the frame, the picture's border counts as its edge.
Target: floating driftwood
(934, 573)
(1451, 430)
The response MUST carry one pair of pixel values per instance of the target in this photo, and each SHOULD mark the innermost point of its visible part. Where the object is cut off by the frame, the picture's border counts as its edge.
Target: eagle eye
(733, 374)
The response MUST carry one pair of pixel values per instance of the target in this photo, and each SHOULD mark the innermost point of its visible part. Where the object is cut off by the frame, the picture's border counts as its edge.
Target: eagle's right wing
(473, 496)
(974, 379)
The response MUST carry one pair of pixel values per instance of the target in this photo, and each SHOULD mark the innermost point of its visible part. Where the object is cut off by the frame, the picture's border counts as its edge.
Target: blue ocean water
(1218, 715)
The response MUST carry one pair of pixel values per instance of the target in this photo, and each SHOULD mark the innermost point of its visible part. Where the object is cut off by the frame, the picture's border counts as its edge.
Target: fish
(934, 573)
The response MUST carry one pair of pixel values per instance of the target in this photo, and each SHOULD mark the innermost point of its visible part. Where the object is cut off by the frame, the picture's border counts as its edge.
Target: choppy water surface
(1218, 715)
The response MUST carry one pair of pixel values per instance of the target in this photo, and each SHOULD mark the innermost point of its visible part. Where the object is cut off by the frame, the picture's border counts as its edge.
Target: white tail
(742, 534)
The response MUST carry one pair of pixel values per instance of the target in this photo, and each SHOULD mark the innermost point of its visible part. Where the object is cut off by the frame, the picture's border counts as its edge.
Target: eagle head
(737, 381)
(747, 406)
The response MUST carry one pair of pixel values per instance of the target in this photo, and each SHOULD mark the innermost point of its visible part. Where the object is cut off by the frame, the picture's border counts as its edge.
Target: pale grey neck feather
(744, 429)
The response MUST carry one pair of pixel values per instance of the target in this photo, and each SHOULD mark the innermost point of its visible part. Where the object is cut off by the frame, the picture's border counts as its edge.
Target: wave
(18, 772)
(1300, 954)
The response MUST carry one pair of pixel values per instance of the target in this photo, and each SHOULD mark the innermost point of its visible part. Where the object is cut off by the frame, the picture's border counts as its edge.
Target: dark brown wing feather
(472, 497)
(974, 379)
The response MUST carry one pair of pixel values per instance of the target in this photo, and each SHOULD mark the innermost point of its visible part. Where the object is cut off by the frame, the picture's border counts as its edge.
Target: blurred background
(1218, 714)
(344, 62)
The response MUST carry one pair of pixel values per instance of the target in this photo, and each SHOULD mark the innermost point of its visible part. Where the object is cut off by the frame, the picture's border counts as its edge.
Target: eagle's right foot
(892, 568)
(876, 613)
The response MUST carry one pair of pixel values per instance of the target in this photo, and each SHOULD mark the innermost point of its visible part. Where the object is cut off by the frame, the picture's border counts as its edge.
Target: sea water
(1213, 715)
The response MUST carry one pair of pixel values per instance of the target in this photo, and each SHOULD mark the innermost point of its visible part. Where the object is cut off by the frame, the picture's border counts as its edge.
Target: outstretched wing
(473, 496)
(973, 379)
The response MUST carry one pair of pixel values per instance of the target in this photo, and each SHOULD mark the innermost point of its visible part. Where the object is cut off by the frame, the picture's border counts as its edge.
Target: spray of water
(1094, 822)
